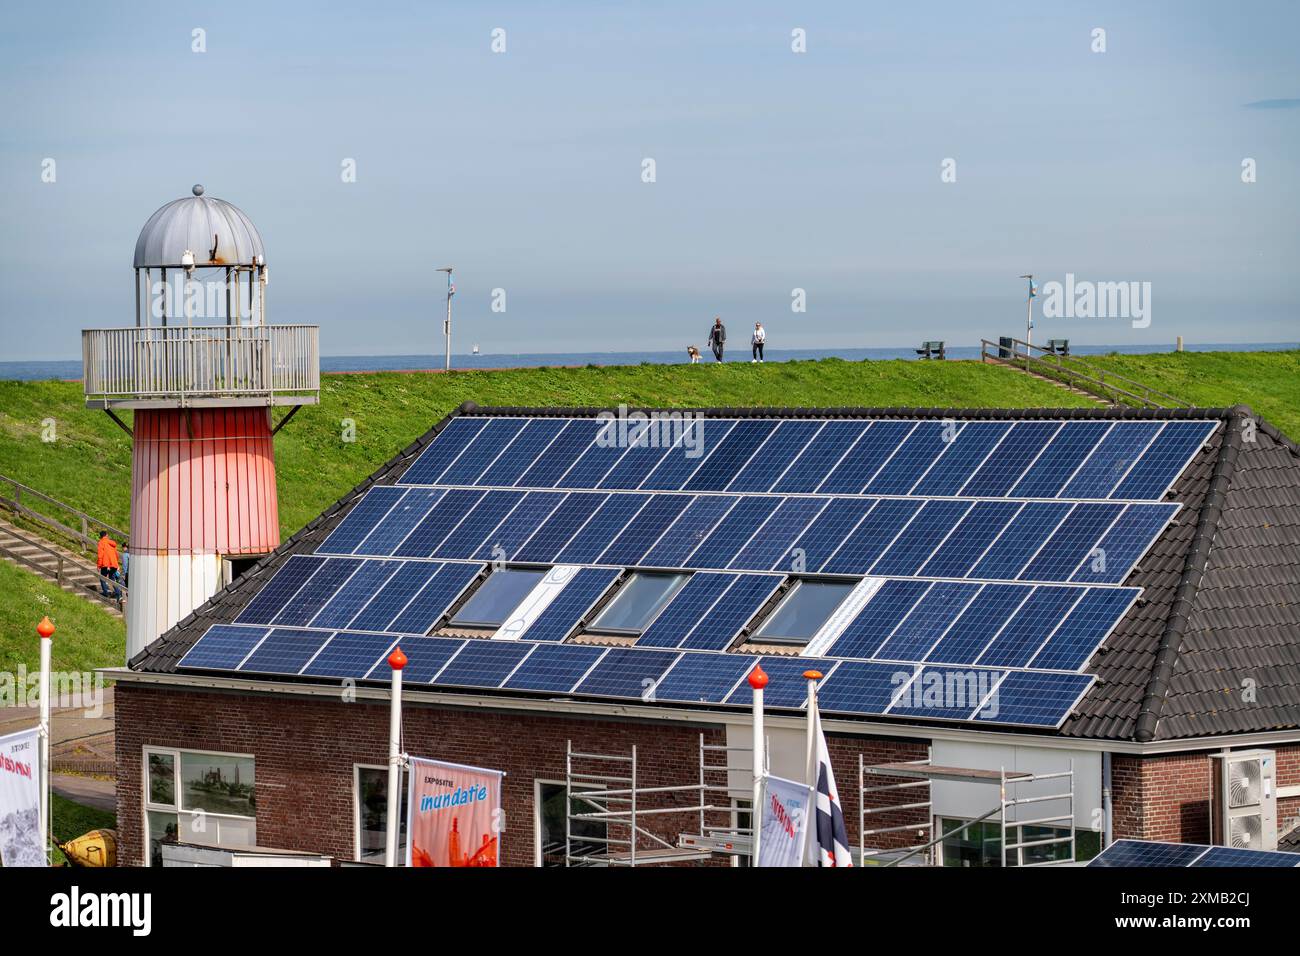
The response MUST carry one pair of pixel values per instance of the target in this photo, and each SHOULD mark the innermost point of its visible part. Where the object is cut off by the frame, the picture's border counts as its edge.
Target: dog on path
(694, 353)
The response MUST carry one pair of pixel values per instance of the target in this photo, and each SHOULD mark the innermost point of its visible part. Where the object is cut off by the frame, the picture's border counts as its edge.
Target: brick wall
(1168, 797)
(305, 749)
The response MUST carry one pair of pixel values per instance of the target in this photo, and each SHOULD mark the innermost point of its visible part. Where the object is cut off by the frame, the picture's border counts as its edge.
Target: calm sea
(60, 369)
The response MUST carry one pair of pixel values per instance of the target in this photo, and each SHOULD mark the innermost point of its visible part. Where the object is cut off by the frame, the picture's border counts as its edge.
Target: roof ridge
(1196, 559)
(881, 411)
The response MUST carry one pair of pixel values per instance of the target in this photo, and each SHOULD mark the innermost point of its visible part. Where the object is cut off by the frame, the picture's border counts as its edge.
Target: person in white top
(760, 336)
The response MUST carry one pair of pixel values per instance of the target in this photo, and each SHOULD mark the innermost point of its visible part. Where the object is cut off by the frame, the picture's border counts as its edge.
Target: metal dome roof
(218, 233)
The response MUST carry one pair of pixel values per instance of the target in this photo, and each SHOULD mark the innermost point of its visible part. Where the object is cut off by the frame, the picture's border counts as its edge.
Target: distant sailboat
(476, 348)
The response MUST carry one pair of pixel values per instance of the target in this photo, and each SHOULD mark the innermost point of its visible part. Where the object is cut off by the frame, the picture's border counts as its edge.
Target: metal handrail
(1104, 383)
(59, 569)
(184, 361)
(15, 504)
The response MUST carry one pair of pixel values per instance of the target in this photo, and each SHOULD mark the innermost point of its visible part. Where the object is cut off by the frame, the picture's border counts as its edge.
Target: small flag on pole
(830, 843)
(451, 285)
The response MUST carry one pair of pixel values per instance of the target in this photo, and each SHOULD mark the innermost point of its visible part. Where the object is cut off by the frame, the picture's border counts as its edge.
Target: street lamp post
(446, 323)
(1029, 314)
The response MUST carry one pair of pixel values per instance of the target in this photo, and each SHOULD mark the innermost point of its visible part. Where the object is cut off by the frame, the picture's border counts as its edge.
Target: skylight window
(637, 603)
(803, 611)
(500, 594)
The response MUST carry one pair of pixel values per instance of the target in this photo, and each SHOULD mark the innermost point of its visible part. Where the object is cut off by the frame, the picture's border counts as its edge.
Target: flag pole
(46, 630)
(810, 765)
(396, 660)
(757, 681)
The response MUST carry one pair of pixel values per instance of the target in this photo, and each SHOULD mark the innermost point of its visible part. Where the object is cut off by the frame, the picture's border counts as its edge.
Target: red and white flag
(829, 845)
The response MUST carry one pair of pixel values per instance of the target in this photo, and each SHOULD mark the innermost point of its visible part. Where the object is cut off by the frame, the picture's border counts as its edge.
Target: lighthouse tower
(202, 373)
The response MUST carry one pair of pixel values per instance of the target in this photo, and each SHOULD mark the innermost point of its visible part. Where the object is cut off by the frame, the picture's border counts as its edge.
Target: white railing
(188, 362)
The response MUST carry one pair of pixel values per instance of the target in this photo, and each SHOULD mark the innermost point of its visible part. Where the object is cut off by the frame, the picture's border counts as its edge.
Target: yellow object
(96, 848)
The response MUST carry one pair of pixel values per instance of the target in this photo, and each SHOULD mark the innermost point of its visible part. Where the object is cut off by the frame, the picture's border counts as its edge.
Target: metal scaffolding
(603, 790)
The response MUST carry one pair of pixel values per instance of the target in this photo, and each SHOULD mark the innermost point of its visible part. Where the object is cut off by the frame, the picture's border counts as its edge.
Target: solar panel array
(988, 556)
(1151, 854)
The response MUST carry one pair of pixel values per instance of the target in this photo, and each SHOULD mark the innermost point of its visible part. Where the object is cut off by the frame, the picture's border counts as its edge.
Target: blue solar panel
(597, 461)
(1142, 853)
(960, 458)
(1021, 540)
(862, 687)
(554, 668)
(284, 651)
(1083, 630)
(644, 530)
(1056, 462)
(1034, 698)
(571, 604)
(479, 524)
(826, 533)
(945, 693)
(439, 522)
(970, 539)
(554, 533)
(733, 532)
(222, 647)
(878, 441)
(277, 592)
(490, 442)
(627, 672)
(730, 455)
(786, 686)
(878, 618)
(771, 544)
(703, 678)
(966, 639)
(917, 541)
(350, 655)
(446, 448)
(602, 528)
(1165, 461)
(910, 462)
(722, 624)
(687, 533)
(864, 546)
(1072, 542)
(645, 452)
(1235, 856)
(355, 593)
(522, 451)
(483, 663)
(816, 461)
(361, 520)
(318, 590)
(561, 454)
(1018, 449)
(400, 521)
(776, 455)
(431, 601)
(687, 607)
(1126, 541)
(1110, 460)
(425, 656)
(688, 455)
(390, 600)
(927, 621)
(1030, 627)
(511, 534)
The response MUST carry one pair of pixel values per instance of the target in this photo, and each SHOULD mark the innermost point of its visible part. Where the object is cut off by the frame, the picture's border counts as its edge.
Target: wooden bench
(1058, 346)
(931, 350)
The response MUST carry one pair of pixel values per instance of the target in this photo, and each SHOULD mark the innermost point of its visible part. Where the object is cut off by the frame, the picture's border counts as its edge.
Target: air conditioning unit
(1243, 813)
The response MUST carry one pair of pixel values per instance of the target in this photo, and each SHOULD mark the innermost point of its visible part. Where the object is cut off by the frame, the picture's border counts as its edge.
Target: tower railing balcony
(195, 366)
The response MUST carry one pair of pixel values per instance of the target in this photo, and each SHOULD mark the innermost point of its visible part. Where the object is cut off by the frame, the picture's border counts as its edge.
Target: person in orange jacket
(106, 559)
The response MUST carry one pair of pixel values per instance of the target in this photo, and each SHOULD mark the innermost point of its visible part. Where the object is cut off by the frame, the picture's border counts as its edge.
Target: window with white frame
(551, 808)
(370, 806)
(196, 796)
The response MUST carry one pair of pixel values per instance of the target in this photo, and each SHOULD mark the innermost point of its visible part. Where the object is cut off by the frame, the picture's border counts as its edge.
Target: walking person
(717, 337)
(756, 343)
(107, 561)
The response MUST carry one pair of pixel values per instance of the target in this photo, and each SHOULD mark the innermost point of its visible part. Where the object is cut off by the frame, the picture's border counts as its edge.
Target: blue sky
(775, 170)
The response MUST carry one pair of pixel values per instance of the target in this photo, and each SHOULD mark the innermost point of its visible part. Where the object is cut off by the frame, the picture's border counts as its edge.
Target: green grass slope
(86, 636)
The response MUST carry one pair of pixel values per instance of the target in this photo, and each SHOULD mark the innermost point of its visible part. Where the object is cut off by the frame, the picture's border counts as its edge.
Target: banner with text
(21, 843)
(453, 814)
(783, 825)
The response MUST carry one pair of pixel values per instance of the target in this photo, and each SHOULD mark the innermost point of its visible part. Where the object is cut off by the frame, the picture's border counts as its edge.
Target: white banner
(21, 843)
(784, 822)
